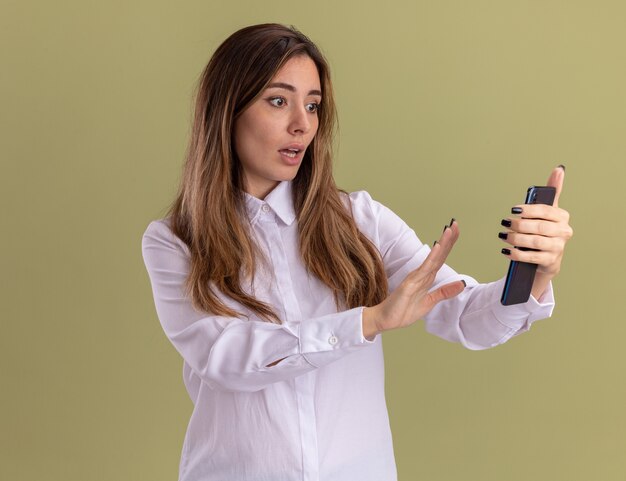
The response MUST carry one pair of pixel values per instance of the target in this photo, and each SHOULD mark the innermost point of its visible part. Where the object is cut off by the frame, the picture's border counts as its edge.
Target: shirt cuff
(336, 332)
(519, 317)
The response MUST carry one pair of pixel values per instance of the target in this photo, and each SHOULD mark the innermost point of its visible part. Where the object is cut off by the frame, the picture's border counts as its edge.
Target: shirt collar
(279, 200)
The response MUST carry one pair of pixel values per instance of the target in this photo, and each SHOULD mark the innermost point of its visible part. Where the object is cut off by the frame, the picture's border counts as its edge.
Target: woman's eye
(314, 107)
(277, 101)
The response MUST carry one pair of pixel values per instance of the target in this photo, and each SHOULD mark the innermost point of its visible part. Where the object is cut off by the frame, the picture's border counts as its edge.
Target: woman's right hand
(410, 301)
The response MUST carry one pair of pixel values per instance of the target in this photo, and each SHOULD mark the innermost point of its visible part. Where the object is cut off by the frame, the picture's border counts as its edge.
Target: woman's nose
(300, 121)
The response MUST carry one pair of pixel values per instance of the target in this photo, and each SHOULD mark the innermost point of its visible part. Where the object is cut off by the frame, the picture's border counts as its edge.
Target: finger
(449, 236)
(538, 242)
(442, 247)
(556, 180)
(444, 292)
(538, 226)
(542, 258)
(428, 268)
(541, 211)
(438, 253)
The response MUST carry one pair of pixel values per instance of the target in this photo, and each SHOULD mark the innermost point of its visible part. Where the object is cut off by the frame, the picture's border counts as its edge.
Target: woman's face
(273, 133)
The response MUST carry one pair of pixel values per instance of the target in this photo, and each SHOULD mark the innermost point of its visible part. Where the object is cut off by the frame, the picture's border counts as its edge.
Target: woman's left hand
(544, 228)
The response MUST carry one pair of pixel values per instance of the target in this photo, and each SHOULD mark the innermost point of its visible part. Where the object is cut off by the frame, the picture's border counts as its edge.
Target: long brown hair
(209, 212)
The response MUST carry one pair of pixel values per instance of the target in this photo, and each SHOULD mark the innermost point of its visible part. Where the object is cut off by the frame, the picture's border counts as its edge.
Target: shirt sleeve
(475, 318)
(230, 353)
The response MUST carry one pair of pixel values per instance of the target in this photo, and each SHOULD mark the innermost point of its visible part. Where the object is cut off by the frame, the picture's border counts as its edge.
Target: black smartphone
(520, 277)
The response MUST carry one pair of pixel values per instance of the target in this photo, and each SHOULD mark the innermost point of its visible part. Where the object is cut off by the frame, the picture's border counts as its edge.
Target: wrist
(370, 329)
(541, 283)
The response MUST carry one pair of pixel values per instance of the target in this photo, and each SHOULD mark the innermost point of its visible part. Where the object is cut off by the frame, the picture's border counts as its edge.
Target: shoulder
(372, 217)
(376, 220)
(159, 235)
(359, 204)
(359, 201)
(364, 207)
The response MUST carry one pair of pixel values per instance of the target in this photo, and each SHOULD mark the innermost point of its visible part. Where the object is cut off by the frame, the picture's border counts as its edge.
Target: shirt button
(332, 340)
(265, 208)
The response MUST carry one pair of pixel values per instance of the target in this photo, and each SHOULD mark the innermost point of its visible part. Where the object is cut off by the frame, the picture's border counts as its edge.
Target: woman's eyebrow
(291, 88)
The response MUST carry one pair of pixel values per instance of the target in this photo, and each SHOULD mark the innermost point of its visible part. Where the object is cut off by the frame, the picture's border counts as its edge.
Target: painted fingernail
(453, 219)
(506, 222)
(464, 283)
(444, 228)
(506, 251)
(503, 235)
(516, 210)
(435, 243)
(562, 166)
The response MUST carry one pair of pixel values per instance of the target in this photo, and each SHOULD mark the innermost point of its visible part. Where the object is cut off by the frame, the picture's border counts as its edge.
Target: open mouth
(290, 152)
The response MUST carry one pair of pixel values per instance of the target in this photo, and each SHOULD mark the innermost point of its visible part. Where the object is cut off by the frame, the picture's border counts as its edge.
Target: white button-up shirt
(320, 413)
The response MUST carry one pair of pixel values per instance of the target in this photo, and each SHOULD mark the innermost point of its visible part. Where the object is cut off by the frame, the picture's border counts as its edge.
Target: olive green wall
(448, 108)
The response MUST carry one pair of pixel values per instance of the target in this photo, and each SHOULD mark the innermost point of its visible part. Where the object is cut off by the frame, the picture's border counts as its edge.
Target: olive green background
(447, 108)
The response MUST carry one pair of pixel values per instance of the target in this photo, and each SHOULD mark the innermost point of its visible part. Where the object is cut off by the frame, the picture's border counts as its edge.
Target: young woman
(274, 285)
